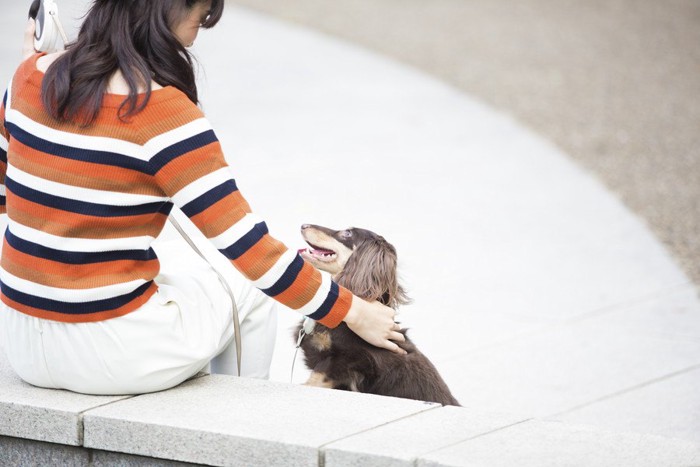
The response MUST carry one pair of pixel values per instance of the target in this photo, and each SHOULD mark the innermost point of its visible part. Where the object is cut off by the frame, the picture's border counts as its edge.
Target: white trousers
(169, 339)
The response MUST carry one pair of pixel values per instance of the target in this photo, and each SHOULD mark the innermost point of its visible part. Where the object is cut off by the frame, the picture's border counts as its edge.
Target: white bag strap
(234, 307)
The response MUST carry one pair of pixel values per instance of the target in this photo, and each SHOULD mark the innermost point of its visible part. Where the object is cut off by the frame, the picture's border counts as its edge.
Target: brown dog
(365, 263)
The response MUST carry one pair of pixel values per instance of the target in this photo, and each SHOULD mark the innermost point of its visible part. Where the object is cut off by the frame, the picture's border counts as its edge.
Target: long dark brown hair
(132, 36)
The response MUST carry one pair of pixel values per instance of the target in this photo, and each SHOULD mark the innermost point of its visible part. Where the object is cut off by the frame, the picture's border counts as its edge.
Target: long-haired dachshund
(366, 264)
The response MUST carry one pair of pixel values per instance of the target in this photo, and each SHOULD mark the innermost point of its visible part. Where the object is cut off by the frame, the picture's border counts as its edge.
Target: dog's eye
(346, 233)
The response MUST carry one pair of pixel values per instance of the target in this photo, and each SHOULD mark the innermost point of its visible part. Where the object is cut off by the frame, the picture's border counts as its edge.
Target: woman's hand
(374, 322)
(28, 44)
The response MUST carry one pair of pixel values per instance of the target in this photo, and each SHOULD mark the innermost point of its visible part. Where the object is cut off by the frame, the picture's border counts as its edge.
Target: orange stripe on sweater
(73, 225)
(107, 124)
(260, 258)
(33, 275)
(302, 289)
(82, 276)
(81, 174)
(189, 167)
(3, 130)
(218, 217)
(167, 109)
(166, 116)
(340, 309)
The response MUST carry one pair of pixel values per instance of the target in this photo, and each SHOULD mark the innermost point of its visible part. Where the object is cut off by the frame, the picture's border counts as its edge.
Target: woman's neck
(116, 85)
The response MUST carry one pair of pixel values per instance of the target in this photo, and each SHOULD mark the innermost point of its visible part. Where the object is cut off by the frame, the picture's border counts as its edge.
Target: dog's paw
(319, 380)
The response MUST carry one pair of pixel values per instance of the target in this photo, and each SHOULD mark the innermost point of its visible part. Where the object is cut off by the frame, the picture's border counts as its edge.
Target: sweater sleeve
(188, 164)
(4, 145)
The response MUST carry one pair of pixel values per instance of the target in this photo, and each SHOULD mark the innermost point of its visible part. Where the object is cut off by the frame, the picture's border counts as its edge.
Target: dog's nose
(305, 226)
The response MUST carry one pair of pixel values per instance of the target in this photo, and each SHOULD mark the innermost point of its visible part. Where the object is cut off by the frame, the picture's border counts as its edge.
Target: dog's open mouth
(316, 252)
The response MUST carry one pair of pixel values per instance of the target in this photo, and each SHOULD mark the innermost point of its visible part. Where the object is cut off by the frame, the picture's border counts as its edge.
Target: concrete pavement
(536, 291)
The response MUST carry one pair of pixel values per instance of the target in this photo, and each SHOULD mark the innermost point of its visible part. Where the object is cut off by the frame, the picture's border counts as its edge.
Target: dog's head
(358, 259)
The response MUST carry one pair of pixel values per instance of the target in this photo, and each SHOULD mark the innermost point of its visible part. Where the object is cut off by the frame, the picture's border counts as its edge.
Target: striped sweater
(85, 204)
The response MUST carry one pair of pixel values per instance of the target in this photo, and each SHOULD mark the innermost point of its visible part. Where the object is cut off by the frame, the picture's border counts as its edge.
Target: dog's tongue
(317, 251)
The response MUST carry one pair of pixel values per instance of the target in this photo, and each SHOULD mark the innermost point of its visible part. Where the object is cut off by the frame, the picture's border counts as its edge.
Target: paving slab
(401, 442)
(565, 366)
(672, 403)
(41, 414)
(543, 444)
(222, 420)
(670, 314)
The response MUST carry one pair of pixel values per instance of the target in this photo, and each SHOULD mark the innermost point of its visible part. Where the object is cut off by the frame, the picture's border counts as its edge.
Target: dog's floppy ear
(371, 273)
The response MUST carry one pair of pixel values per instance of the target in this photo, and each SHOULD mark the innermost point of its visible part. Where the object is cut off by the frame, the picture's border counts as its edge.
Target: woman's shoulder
(42, 62)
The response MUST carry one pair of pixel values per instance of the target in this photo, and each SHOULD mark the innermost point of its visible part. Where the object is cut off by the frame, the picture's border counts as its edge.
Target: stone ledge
(43, 414)
(30, 453)
(222, 420)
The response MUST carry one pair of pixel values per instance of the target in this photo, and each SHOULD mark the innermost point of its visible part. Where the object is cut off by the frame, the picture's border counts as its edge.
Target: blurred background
(614, 83)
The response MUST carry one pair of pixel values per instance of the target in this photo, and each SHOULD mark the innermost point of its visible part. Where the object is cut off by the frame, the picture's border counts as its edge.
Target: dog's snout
(305, 226)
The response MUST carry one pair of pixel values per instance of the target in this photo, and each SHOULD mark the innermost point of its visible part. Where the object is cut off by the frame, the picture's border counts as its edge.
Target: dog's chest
(331, 344)
(319, 341)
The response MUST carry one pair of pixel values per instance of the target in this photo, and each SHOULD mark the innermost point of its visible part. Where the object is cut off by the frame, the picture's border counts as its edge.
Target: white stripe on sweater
(200, 186)
(236, 231)
(69, 295)
(78, 140)
(79, 245)
(177, 135)
(274, 274)
(109, 198)
(319, 298)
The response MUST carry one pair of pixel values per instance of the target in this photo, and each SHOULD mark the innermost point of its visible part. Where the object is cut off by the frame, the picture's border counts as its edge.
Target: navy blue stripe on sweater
(73, 257)
(81, 308)
(84, 207)
(287, 279)
(217, 193)
(327, 304)
(246, 242)
(77, 154)
(180, 148)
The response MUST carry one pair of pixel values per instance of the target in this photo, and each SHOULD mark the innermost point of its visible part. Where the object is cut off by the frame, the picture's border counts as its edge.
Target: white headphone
(48, 27)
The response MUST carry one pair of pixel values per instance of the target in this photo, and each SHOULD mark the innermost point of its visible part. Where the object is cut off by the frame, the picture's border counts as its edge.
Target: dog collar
(306, 330)
(309, 326)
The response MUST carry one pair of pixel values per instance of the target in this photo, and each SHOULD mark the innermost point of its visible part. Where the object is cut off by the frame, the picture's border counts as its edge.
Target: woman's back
(84, 204)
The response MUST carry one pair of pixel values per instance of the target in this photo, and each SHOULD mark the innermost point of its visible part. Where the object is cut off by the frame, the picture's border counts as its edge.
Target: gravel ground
(614, 83)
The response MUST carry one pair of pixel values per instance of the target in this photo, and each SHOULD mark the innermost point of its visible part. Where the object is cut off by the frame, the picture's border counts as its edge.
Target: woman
(98, 144)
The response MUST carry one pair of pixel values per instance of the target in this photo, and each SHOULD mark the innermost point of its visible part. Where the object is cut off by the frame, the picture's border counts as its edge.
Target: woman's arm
(188, 164)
